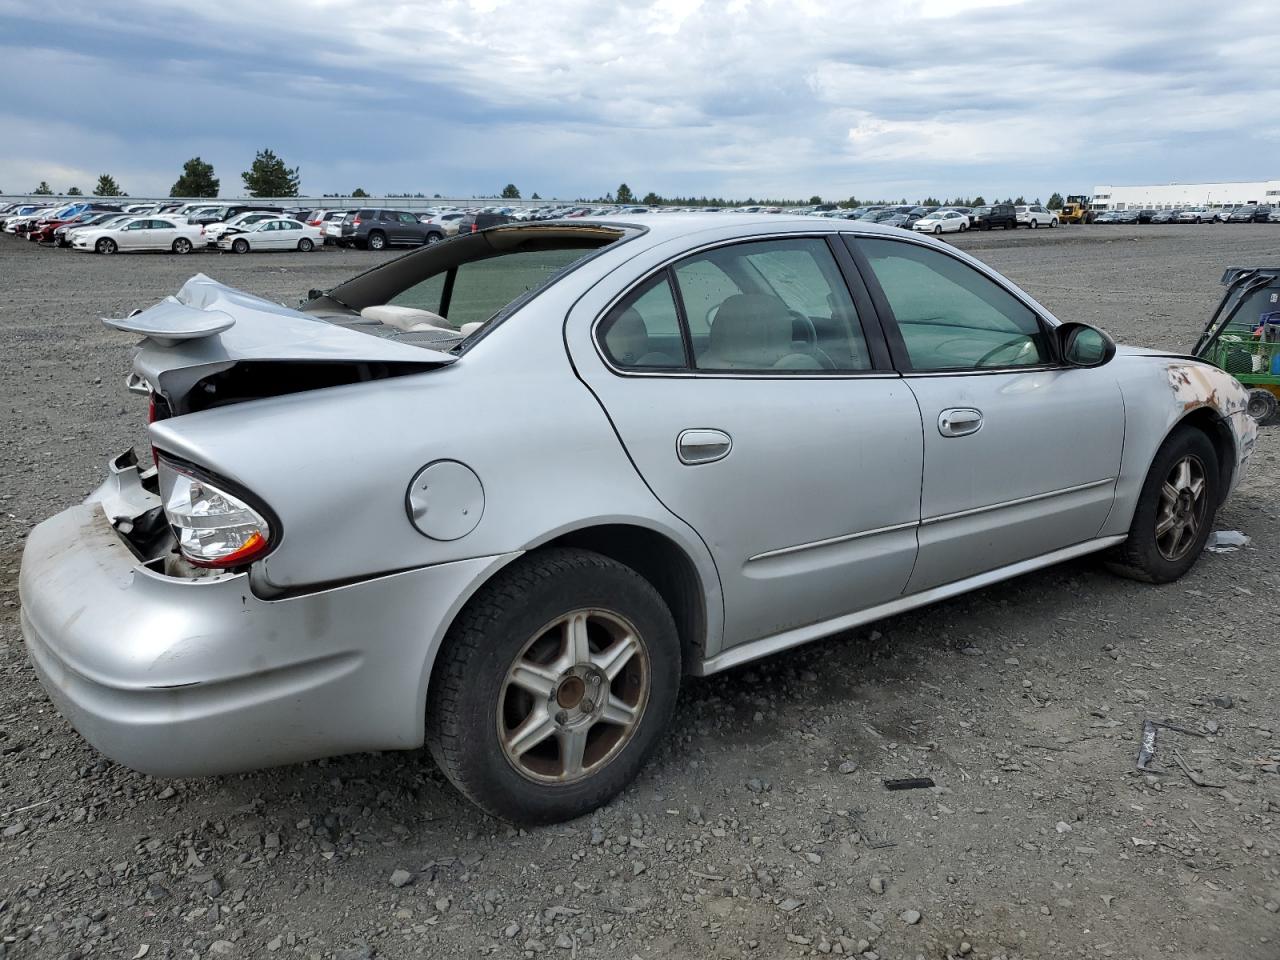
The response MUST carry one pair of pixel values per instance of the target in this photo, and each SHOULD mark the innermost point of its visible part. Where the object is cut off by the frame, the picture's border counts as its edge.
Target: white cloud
(749, 96)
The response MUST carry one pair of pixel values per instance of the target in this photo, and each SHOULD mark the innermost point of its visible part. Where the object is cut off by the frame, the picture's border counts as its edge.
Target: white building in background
(1180, 196)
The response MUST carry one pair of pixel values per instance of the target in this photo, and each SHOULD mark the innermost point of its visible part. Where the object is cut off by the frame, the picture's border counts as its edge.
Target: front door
(742, 384)
(1021, 453)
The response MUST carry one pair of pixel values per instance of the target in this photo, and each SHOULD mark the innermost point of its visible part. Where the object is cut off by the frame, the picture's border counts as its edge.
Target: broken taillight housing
(215, 528)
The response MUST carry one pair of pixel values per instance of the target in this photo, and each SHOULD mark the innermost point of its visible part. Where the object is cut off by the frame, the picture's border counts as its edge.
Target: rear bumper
(180, 677)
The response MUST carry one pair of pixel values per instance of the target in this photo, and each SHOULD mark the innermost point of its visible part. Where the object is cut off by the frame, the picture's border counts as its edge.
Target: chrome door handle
(702, 445)
(959, 421)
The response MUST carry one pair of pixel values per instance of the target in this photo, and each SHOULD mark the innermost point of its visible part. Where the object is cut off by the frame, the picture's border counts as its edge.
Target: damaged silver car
(500, 495)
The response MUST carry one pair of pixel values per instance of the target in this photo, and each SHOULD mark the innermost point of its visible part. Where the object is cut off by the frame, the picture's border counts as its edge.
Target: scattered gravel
(761, 828)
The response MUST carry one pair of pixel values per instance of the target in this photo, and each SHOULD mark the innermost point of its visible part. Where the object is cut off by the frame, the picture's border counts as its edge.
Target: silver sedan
(501, 494)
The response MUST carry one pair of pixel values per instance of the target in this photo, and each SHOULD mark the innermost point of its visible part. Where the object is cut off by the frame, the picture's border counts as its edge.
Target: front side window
(952, 317)
(408, 218)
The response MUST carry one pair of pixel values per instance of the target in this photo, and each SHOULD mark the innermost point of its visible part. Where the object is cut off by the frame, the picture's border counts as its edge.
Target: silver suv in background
(1035, 215)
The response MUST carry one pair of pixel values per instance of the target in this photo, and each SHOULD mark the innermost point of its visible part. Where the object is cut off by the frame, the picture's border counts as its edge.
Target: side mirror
(315, 293)
(1081, 345)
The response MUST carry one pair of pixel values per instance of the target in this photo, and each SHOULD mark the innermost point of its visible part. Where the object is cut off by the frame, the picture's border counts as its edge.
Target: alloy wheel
(574, 696)
(1181, 510)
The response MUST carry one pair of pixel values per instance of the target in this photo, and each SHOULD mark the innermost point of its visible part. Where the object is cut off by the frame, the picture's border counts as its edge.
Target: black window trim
(893, 333)
(872, 332)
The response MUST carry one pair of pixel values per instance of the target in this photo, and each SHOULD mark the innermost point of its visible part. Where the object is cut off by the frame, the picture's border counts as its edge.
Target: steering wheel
(1021, 341)
(811, 332)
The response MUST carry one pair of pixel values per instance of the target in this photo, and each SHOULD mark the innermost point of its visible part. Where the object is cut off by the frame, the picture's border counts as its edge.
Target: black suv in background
(994, 215)
(376, 229)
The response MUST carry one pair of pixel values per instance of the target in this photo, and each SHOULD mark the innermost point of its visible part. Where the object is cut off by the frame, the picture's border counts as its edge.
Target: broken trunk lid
(211, 323)
(208, 329)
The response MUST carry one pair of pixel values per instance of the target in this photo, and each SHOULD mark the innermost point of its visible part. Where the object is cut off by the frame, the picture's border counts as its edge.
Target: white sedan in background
(942, 221)
(142, 233)
(237, 224)
(278, 233)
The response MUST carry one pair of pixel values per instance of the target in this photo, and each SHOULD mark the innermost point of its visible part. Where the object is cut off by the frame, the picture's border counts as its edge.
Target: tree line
(270, 176)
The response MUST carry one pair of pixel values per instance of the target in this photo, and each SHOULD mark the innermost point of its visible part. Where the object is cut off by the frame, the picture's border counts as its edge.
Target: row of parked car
(1246, 213)
(104, 227)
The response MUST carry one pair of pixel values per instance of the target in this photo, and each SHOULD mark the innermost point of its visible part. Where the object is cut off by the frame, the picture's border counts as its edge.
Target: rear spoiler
(170, 322)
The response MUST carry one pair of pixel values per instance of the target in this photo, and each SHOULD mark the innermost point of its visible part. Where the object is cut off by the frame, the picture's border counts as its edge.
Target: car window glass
(408, 218)
(771, 305)
(644, 329)
(160, 224)
(951, 316)
(483, 287)
(292, 225)
(703, 287)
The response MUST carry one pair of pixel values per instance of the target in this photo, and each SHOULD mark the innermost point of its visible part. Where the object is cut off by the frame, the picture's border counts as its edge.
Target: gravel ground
(761, 828)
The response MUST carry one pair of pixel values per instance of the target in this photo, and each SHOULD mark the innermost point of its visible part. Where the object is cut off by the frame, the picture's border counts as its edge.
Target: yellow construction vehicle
(1076, 209)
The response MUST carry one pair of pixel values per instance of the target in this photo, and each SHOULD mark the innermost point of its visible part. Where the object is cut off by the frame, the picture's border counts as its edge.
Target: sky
(879, 99)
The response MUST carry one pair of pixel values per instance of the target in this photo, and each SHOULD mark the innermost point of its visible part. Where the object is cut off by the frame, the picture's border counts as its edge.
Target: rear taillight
(355, 222)
(214, 528)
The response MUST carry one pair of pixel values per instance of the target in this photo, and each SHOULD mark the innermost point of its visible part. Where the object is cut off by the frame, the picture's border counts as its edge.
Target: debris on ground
(1226, 541)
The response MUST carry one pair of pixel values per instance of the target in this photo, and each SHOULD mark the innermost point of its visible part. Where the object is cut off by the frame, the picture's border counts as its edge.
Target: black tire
(1053, 223)
(305, 245)
(377, 240)
(240, 245)
(1263, 407)
(431, 238)
(1011, 224)
(470, 676)
(106, 245)
(1034, 223)
(1140, 557)
(937, 230)
(182, 245)
(964, 227)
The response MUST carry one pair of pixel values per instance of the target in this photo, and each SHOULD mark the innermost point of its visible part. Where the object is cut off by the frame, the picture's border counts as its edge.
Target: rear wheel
(964, 227)
(1011, 224)
(377, 240)
(1175, 511)
(1034, 223)
(106, 245)
(553, 686)
(305, 245)
(182, 245)
(240, 245)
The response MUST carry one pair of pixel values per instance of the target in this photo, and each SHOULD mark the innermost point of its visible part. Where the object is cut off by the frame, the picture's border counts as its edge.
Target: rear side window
(644, 329)
(779, 305)
(952, 317)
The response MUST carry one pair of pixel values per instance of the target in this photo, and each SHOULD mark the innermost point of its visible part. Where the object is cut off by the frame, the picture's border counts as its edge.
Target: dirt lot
(757, 830)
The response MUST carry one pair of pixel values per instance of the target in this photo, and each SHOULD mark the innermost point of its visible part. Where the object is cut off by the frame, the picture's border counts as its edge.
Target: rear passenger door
(1021, 453)
(750, 387)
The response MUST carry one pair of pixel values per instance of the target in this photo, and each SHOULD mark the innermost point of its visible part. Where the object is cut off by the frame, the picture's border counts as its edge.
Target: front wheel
(182, 245)
(106, 245)
(1053, 223)
(305, 245)
(937, 230)
(1175, 510)
(553, 686)
(240, 245)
